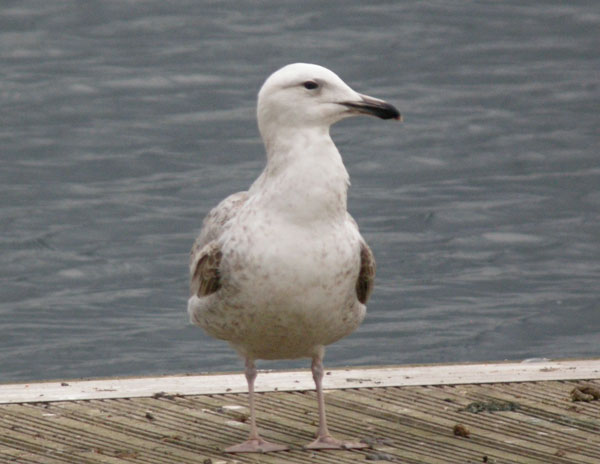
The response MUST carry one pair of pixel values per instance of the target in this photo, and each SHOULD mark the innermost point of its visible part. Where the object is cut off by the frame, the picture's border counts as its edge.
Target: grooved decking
(533, 422)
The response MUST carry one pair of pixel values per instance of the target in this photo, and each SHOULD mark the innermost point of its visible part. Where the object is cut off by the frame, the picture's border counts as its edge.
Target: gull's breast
(287, 288)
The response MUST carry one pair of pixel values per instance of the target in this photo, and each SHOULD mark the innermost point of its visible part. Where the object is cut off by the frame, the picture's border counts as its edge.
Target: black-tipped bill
(374, 107)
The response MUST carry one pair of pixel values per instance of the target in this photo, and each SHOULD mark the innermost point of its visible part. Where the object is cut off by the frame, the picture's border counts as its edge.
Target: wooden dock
(538, 412)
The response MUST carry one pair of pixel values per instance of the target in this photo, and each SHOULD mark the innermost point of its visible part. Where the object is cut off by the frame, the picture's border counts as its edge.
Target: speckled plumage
(283, 291)
(281, 271)
(289, 255)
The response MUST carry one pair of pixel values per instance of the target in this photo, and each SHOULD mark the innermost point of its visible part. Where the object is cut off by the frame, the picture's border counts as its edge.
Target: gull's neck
(305, 180)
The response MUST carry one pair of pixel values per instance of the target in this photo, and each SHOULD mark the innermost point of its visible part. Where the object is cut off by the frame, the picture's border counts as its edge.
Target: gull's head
(302, 95)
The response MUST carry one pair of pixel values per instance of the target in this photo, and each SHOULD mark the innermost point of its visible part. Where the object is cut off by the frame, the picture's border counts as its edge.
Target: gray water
(124, 122)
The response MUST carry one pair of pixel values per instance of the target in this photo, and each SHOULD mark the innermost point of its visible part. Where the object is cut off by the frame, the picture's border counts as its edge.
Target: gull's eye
(310, 85)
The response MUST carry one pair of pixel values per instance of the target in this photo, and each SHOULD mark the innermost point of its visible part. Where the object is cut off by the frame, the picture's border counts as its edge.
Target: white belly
(284, 295)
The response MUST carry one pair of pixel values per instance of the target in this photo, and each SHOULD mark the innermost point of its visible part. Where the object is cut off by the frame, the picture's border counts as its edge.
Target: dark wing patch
(206, 278)
(366, 276)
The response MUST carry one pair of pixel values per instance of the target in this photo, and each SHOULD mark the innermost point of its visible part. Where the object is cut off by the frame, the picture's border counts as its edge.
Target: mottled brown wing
(206, 278)
(366, 276)
(215, 222)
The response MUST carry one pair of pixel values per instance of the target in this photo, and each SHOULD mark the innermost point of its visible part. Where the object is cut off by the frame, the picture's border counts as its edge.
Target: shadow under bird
(281, 270)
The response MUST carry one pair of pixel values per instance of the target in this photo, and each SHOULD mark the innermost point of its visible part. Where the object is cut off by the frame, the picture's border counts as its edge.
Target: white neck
(305, 180)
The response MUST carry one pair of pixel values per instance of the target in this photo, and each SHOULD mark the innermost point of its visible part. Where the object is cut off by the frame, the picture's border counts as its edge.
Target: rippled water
(124, 122)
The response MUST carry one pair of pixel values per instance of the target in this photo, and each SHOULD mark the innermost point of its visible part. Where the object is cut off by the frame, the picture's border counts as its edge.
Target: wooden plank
(302, 380)
(408, 425)
(528, 429)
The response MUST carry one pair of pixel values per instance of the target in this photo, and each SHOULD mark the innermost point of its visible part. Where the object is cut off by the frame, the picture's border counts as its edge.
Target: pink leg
(254, 444)
(324, 439)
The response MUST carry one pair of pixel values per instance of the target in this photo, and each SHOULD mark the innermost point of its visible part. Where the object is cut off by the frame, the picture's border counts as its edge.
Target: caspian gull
(281, 271)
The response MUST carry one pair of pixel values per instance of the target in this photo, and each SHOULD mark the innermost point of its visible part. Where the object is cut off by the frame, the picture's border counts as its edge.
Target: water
(124, 122)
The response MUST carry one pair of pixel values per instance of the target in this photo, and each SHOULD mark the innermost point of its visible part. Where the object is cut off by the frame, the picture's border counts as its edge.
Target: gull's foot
(256, 445)
(328, 442)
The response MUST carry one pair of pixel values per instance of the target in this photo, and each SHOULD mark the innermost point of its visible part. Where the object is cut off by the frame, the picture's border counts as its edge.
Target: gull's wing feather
(205, 257)
(206, 278)
(366, 276)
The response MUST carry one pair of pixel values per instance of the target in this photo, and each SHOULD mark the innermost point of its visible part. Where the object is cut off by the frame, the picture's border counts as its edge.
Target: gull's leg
(254, 444)
(324, 439)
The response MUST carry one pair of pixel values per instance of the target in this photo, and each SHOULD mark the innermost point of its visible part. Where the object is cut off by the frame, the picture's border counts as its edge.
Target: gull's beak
(373, 107)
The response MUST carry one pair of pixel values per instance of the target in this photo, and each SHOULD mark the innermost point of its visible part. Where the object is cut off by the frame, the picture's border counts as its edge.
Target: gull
(281, 270)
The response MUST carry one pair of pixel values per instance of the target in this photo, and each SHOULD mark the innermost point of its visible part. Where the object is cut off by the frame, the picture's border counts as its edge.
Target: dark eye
(310, 85)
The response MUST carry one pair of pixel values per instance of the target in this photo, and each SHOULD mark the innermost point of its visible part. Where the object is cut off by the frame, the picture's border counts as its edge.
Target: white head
(302, 95)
